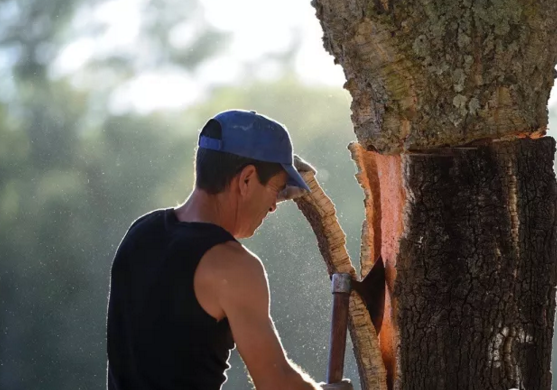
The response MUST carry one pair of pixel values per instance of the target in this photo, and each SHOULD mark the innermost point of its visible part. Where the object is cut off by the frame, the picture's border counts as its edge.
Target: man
(184, 290)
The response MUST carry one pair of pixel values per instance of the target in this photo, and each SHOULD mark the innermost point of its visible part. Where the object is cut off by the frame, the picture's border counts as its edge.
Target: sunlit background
(100, 104)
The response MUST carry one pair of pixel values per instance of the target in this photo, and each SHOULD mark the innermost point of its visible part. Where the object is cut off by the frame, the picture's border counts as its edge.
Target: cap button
(253, 112)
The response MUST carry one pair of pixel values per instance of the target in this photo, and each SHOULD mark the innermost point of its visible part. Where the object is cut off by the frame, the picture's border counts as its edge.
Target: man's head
(247, 157)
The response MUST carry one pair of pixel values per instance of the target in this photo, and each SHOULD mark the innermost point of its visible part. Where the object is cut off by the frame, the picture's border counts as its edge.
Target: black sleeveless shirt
(159, 337)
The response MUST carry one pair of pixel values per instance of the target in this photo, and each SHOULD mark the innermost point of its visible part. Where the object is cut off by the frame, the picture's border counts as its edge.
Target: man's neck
(203, 207)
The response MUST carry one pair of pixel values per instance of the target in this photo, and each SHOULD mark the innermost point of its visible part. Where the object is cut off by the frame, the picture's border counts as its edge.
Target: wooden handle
(339, 324)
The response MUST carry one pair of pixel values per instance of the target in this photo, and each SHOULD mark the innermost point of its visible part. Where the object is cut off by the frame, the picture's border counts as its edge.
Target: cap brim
(294, 178)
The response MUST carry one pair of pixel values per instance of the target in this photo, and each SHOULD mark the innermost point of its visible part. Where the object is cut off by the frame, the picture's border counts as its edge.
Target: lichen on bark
(429, 73)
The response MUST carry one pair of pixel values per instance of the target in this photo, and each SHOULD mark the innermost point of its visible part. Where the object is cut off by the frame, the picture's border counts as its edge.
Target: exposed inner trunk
(381, 179)
(471, 270)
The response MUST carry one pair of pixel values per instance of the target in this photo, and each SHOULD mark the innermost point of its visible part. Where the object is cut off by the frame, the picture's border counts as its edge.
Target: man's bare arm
(243, 294)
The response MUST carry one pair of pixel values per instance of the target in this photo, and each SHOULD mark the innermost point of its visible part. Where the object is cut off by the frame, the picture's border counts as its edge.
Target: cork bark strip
(320, 212)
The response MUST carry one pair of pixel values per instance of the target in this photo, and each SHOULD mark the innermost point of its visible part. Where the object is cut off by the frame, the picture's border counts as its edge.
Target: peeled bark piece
(430, 73)
(320, 212)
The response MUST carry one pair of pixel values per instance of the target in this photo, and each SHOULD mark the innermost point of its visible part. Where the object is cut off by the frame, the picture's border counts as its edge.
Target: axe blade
(372, 290)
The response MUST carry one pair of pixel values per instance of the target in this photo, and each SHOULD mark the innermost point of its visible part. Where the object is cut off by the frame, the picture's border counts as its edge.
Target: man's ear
(246, 179)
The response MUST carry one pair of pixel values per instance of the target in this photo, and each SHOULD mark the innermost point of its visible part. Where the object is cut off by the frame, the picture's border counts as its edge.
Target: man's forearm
(302, 381)
(297, 379)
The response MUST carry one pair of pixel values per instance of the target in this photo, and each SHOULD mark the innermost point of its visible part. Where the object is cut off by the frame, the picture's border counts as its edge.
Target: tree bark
(426, 73)
(449, 109)
(476, 270)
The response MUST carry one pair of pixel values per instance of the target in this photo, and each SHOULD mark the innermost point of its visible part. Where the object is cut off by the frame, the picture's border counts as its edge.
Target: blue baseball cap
(252, 135)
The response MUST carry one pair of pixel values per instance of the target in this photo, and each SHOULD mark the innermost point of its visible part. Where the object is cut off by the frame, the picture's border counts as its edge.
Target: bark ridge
(476, 268)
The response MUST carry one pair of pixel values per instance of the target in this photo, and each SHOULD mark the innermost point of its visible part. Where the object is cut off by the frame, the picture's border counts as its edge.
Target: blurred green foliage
(67, 197)
(73, 176)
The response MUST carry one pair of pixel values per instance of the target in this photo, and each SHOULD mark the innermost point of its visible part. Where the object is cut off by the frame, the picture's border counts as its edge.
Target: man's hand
(344, 385)
(303, 166)
(292, 192)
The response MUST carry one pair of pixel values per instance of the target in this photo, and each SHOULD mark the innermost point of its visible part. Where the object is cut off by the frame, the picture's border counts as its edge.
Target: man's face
(261, 201)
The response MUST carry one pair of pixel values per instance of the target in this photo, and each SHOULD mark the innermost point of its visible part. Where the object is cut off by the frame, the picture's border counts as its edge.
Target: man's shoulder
(140, 229)
(146, 218)
(232, 257)
(236, 276)
(232, 273)
(152, 226)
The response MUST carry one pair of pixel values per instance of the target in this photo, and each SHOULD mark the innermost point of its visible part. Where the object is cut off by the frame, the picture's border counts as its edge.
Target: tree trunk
(449, 109)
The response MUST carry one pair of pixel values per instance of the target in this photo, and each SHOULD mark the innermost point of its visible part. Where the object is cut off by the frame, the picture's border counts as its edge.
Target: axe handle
(337, 343)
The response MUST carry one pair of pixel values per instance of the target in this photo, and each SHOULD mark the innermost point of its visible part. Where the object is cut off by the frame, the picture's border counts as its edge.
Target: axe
(372, 290)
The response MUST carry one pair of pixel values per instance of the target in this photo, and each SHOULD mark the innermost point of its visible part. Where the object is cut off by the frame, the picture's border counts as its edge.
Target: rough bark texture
(477, 268)
(426, 73)
(321, 214)
(449, 104)
(472, 269)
